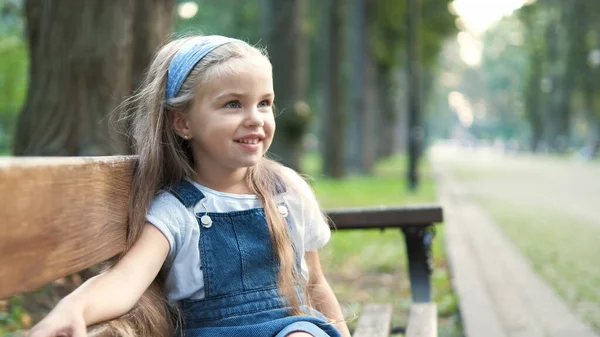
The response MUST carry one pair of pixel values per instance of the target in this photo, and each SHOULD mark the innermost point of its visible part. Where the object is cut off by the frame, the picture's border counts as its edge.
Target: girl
(228, 235)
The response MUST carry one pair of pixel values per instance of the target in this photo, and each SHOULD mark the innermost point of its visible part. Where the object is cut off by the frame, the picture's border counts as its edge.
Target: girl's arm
(112, 293)
(321, 295)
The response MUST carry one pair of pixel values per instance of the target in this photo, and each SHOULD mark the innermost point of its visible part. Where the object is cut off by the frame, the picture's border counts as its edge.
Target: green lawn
(370, 266)
(561, 249)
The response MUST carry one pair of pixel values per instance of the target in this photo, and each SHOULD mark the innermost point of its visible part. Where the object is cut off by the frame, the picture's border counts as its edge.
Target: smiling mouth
(249, 141)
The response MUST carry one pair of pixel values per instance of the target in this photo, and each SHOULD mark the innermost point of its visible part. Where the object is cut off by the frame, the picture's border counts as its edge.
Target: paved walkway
(500, 295)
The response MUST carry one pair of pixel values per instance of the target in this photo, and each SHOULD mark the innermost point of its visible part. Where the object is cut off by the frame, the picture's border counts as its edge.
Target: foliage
(389, 32)
(240, 19)
(13, 68)
(13, 316)
(503, 63)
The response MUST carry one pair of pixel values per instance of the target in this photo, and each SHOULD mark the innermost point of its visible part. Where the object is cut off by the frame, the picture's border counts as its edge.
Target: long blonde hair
(164, 159)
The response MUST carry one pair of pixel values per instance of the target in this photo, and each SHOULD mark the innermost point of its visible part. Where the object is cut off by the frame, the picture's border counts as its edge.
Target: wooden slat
(59, 216)
(384, 217)
(374, 321)
(422, 321)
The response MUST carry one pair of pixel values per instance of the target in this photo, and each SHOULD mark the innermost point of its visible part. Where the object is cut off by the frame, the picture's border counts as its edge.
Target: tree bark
(415, 129)
(333, 130)
(386, 86)
(533, 100)
(400, 101)
(82, 66)
(559, 72)
(361, 152)
(153, 25)
(588, 20)
(287, 48)
(80, 61)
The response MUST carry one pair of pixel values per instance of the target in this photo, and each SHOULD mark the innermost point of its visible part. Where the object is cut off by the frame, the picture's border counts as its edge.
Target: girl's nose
(254, 118)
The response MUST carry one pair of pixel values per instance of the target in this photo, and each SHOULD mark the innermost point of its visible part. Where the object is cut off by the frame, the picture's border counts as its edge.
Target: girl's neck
(232, 181)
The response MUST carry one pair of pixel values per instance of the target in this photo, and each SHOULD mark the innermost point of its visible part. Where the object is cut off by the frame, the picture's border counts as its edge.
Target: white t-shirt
(184, 278)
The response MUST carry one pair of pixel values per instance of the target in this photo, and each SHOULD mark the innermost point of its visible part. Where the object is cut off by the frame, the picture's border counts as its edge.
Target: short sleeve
(316, 230)
(169, 215)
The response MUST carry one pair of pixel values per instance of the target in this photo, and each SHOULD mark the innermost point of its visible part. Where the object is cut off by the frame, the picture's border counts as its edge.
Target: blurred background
(495, 103)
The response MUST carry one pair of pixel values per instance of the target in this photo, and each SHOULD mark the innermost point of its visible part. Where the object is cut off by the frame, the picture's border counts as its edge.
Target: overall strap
(187, 193)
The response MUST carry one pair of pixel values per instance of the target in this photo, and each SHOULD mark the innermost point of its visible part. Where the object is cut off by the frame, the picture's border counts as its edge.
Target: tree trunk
(333, 131)
(360, 152)
(286, 45)
(560, 75)
(533, 100)
(585, 12)
(370, 113)
(415, 129)
(400, 101)
(387, 122)
(153, 25)
(532, 90)
(80, 70)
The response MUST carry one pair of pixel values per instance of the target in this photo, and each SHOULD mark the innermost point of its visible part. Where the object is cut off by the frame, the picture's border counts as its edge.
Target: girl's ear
(180, 124)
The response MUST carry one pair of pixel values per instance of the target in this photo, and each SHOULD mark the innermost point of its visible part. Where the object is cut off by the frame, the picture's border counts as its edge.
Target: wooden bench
(62, 215)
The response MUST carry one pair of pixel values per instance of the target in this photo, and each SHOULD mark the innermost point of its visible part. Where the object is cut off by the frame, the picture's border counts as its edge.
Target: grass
(12, 316)
(370, 266)
(562, 249)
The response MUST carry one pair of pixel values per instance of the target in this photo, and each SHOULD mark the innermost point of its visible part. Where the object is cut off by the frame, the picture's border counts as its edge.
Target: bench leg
(418, 248)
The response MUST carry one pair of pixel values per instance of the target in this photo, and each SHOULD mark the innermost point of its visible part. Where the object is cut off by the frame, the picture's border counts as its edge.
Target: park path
(500, 295)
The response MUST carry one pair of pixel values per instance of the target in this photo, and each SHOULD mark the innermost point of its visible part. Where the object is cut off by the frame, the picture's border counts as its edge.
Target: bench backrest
(59, 216)
(62, 215)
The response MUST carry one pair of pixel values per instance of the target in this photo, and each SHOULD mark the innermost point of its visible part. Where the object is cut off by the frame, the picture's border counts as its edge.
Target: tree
(415, 131)
(360, 135)
(559, 78)
(85, 56)
(81, 68)
(561, 64)
(333, 131)
(286, 43)
(388, 35)
(589, 70)
(390, 38)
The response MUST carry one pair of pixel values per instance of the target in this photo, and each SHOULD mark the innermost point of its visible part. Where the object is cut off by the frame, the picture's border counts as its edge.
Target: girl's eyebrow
(230, 94)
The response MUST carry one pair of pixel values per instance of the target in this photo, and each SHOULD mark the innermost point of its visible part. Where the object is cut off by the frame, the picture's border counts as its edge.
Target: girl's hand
(109, 294)
(66, 320)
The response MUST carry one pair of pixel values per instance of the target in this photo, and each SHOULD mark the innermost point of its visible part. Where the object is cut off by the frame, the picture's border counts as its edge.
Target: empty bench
(62, 215)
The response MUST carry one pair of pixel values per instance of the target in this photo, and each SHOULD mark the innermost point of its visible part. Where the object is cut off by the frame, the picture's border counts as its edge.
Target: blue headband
(187, 57)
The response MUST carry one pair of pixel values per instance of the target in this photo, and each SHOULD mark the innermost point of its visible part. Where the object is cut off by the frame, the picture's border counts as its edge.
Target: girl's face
(231, 123)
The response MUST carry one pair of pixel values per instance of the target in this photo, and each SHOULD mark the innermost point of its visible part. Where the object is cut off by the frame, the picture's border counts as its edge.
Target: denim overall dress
(240, 278)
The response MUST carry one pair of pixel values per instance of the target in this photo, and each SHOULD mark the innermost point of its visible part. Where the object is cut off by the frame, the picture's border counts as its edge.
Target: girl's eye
(264, 104)
(233, 105)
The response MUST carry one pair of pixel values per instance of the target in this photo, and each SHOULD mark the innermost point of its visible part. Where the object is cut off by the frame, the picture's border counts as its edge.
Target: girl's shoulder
(166, 204)
(297, 186)
(167, 199)
(297, 182)
(172, 218)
